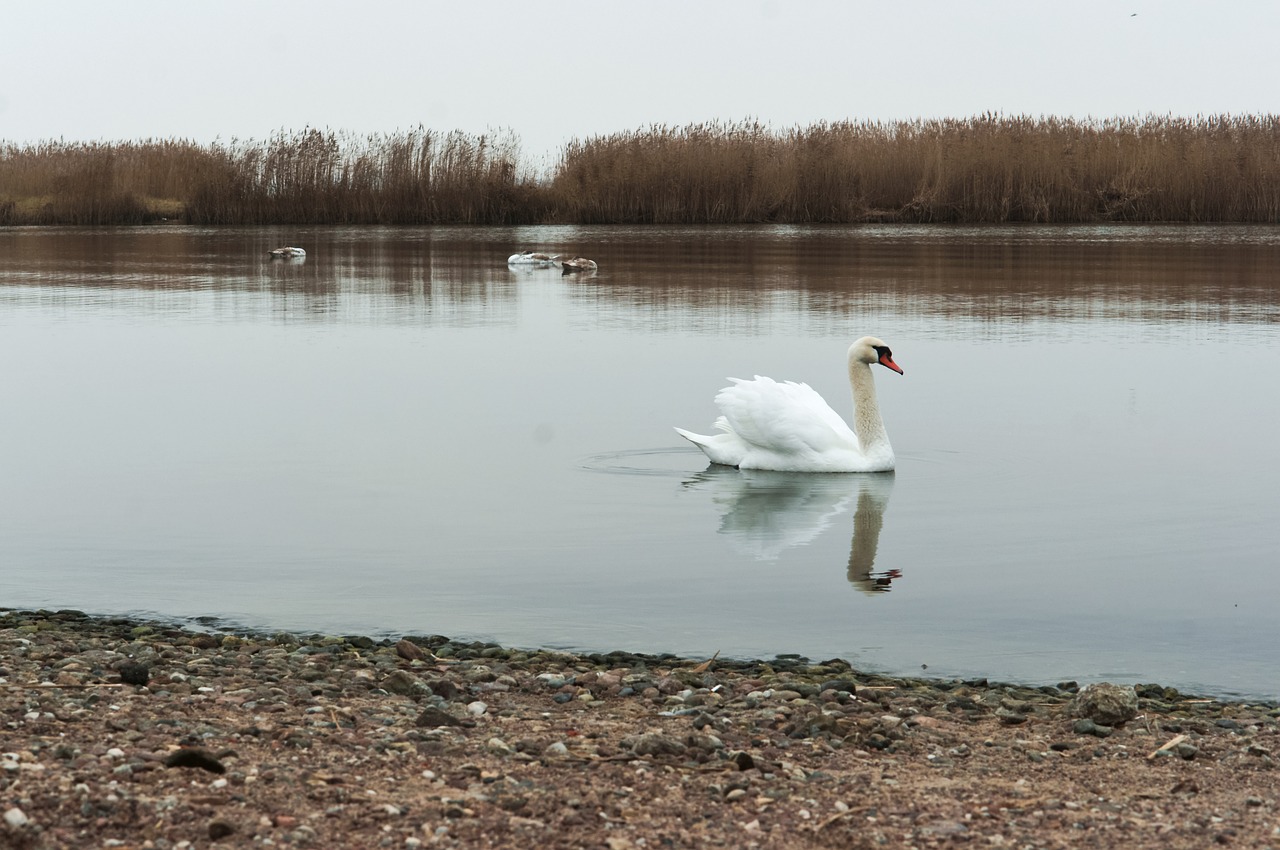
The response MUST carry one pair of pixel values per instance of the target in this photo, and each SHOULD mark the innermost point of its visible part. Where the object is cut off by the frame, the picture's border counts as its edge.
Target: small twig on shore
(706, 665)
(821, 826)
(1172, 742)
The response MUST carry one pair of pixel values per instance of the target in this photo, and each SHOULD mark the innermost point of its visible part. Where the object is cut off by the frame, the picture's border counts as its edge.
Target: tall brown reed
(985, 169)
(990, 168)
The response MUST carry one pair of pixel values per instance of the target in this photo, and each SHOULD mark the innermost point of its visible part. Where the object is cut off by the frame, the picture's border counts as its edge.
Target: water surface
(402, 434)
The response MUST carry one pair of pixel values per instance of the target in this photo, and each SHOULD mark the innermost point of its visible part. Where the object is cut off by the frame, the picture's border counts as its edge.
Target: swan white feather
(532, 258)
(787, 427)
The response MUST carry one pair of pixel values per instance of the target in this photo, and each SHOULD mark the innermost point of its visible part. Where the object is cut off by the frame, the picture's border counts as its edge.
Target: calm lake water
(403, 435)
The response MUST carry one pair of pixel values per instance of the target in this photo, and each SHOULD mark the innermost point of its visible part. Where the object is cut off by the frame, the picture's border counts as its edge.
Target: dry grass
(316, 177)
(985, 169)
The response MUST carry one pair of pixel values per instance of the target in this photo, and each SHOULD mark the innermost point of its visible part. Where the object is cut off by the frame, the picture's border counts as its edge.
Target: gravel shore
(130, 734)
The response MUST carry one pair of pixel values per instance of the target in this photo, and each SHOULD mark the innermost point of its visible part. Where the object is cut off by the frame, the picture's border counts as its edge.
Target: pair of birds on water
(536, 258)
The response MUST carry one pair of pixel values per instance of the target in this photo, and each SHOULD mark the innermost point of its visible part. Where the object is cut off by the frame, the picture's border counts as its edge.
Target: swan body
(531, 258)
(287, 252)
(577, 264)
(787, 427)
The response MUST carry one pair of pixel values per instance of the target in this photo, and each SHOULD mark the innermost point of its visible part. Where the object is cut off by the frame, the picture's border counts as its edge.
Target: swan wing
(782, 417)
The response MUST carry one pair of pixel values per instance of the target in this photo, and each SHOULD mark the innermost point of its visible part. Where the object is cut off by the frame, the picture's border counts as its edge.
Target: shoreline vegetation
(985, 169)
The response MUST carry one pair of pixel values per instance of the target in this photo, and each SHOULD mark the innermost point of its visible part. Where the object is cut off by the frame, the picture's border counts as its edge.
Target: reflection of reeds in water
(814, 281)
(738, 280)
(989, 169)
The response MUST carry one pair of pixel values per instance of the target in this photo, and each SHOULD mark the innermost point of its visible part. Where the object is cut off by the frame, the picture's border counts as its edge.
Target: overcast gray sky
(552, 71)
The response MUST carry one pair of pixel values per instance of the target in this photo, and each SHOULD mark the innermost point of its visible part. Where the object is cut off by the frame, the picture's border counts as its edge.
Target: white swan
(287, 252)
(789, 428)
(530, 258)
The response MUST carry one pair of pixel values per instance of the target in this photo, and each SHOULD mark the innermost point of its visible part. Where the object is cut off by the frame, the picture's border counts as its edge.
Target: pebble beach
(122, 733)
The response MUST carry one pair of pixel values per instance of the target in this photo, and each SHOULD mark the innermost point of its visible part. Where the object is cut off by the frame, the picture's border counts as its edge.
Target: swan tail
(696, 439)
(720, 448)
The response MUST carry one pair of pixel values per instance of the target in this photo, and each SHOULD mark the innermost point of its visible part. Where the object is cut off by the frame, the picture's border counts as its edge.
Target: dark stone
(445, 688)
(653, 744)
(410, 651)
(436, 717)
(220, 829)
(1010, 718)
(195, 757)
(847, 685)
(405, 684)
(1089, 727)
(743, 760)
(134, 674)
(963, 703)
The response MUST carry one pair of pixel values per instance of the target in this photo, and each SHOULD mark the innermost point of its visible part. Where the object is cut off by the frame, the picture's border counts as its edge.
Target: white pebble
(842, 806)
(16, 818)
(477, 708)
(115, 753)
(219, 783)
(428, 774)
(31, 716)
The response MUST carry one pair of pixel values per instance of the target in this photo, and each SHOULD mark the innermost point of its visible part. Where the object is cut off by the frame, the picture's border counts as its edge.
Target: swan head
(871, 350)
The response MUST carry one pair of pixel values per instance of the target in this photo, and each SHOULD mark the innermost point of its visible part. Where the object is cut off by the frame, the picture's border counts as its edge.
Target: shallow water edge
(217, 632)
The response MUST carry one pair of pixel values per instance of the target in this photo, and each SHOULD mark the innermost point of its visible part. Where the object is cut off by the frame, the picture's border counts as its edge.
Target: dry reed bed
(985, 169)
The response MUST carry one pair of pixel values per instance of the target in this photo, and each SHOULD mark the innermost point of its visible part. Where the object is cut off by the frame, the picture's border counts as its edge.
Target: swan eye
(883, 351)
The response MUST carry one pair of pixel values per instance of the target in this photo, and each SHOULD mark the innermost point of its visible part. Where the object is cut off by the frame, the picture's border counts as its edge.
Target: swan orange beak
(886, 360)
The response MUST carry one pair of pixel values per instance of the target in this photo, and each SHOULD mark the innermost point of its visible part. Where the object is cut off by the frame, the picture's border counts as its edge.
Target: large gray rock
(1105, 703)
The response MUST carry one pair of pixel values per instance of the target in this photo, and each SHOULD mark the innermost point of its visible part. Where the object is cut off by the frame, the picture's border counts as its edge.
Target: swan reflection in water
(765, 513)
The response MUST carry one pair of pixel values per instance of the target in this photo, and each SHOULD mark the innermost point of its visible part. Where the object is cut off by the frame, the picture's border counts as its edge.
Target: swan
(787, 426)
(287, 252)
(530, 258)
(577, 264)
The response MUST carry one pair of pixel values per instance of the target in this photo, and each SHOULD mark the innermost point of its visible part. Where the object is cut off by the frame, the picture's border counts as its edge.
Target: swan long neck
(867, 423)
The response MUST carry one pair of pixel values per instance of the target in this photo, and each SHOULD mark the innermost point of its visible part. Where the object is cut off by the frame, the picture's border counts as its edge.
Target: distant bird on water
(530, 258)
(287, 252)
(577, 264)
